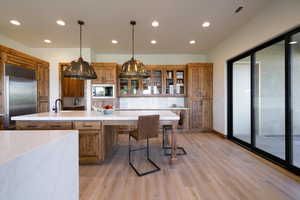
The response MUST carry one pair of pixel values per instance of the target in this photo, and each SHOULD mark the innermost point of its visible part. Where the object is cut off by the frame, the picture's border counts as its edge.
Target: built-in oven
(103, 91)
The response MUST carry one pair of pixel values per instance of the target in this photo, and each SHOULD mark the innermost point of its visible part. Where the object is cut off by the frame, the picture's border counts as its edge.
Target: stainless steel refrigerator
(20, 92)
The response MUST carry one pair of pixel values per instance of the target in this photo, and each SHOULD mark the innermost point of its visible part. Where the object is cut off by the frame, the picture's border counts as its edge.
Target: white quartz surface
(17, 143)
(39, 165)
(170, 108)
(93, 115)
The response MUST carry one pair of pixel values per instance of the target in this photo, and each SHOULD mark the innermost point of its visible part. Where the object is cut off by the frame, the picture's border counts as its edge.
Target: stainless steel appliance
(20, 92)
(103, 91)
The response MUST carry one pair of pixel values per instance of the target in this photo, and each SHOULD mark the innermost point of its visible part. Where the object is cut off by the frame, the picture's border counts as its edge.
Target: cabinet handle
(87, 126)
(55, 126)
(32, 126)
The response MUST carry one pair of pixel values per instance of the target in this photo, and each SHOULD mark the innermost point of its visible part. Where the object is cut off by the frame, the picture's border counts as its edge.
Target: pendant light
(80, 69)
(133, 68)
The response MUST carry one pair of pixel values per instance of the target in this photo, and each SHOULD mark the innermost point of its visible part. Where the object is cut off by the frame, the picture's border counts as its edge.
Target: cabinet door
(90, 150)
(43, 106)
(200, 114)
(200, 81)
(72, 87)
(106, 73)
(43, 82)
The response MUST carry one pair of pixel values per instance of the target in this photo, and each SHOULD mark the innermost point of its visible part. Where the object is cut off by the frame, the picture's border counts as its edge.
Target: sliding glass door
(264, 100)
(241, 99)
(270, 99)
(295, 76)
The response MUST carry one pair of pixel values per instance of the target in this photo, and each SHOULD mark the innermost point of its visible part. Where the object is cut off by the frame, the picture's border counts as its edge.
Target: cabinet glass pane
(146, 85)
(169, 82)
(242, 99)
(269, 101)
(295, 50)
(157, 82)
(124, 89)
(134, 87)
(179, 82)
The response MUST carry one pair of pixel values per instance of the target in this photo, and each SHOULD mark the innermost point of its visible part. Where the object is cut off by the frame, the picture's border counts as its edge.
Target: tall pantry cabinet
(199, 98)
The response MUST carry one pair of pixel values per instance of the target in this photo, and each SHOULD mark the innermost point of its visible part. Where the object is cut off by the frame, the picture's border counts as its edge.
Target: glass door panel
(124, 86)
(179, 82)
(242, 99)
(295, 83)
(157, 82)
(146, 85)
(134, 87)
(169, 82)
(269, 101)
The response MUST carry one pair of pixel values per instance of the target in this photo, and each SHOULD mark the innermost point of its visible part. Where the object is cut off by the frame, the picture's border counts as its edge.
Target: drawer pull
(32, 126)
(87, 126)
(55, 126)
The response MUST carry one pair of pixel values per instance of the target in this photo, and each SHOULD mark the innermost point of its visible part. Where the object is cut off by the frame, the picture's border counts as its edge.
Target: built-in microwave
(103, 91)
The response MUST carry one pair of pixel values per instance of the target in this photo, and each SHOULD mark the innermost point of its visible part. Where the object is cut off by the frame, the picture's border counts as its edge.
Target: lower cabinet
(43, 106)
(94, 145)
(200, 114)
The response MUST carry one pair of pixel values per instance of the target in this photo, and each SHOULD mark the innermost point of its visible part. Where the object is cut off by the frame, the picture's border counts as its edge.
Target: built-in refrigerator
(20, 93)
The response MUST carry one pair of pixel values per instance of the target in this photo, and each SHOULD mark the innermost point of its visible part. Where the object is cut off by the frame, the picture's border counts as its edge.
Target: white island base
(39, 165)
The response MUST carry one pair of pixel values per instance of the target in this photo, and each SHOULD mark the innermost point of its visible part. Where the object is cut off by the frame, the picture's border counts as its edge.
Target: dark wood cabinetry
(70, 87)
(200, 96)
(43, 88)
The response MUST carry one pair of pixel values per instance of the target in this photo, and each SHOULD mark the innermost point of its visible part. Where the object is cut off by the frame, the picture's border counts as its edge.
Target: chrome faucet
(55, 108)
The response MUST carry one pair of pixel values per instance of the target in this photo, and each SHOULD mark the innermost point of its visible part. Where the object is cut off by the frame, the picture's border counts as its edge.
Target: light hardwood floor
(214, 169)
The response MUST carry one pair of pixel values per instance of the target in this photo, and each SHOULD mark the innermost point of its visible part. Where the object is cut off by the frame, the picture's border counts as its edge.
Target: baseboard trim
(219, 134)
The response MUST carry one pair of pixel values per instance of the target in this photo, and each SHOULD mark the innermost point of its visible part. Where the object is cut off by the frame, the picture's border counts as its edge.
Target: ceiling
(180, 21)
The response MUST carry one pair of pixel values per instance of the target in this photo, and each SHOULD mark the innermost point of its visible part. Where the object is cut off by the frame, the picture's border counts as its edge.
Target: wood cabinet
(1, 123)
(94, 145)
(17, 58)
(164, 80)
(200, 85)
(70, 87)
(43, 88)
(106, 73)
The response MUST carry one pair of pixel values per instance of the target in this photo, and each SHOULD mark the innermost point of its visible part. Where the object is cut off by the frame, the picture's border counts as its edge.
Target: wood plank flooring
(214, 169)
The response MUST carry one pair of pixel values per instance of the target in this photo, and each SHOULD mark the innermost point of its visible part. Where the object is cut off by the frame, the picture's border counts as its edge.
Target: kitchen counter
(53, 153)
(98, 132)
(93, 116)
(170, 108)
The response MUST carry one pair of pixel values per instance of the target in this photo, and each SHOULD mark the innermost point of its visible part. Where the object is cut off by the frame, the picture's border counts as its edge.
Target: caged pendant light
(80, 69)
(133, 68)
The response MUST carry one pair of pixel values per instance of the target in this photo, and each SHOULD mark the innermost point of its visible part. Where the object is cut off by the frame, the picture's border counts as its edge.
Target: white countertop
(92, 115)
(169, 108)
(17, 143)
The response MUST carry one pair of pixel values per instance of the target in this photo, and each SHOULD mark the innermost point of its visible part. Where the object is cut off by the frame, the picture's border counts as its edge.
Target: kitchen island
(39, 165)
(98, 134)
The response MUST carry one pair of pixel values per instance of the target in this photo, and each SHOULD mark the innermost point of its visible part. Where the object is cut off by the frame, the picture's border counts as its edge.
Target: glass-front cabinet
(164, 80)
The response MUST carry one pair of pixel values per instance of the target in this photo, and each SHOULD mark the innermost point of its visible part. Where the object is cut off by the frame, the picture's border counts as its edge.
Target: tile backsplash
(69, 101)
(151, 102)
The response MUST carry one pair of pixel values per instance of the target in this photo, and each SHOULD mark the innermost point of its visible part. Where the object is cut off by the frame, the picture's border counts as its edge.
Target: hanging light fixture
(80, 69)
(133, 68)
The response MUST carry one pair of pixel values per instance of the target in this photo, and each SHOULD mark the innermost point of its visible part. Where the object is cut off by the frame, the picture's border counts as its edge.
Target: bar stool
(147, 128)
(164, 143)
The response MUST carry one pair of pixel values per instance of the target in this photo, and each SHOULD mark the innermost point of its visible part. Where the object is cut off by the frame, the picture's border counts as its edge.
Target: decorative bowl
(108, 111)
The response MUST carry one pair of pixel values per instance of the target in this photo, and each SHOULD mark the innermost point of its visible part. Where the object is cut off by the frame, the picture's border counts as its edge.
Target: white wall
(167, 59)
(6, 41)
(273, 20)
(57, 55)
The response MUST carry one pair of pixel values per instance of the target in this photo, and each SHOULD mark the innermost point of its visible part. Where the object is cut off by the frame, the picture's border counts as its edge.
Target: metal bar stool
(165, 145)
(147, 128)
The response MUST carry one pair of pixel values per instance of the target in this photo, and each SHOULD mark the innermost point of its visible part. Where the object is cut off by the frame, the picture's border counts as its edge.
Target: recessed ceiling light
(192, 42)
(153, 41)
(114, 41)
(61, 22)
(293, 42)
(15, 22)
(206, 24)
(47, 41)
(155, 23)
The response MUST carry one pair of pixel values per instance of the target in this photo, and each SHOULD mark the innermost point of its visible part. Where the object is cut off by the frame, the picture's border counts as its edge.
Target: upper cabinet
(106, 73)
(164, 80)
(200, 80)
(70, 87)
